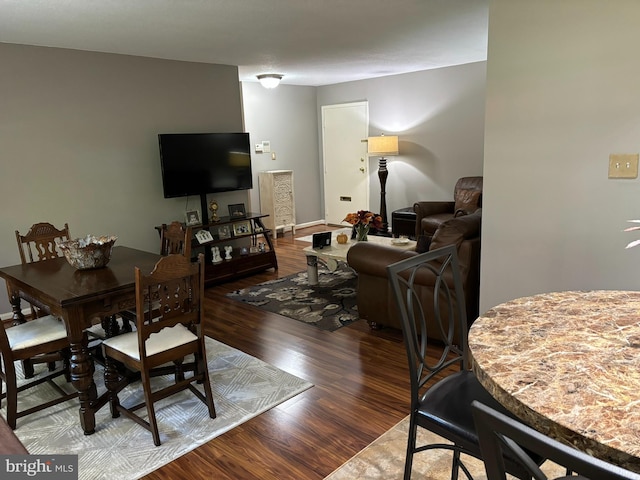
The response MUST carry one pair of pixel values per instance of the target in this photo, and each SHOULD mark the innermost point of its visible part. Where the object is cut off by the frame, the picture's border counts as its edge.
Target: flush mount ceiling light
(270, 80)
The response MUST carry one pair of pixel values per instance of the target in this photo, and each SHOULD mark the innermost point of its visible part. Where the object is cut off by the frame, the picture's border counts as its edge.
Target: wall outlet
(623, 165)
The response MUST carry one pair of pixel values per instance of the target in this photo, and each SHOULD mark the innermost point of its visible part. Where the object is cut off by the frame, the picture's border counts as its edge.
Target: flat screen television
(201, 163)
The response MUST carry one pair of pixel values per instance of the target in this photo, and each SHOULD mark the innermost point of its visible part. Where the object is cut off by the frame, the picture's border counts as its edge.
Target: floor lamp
(381, 146)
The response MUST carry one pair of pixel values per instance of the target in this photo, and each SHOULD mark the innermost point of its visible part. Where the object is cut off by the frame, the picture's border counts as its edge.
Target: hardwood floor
(361, 388)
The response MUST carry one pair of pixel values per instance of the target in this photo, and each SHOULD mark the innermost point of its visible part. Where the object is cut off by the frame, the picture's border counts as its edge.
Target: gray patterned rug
(243, 387)
(329, 305)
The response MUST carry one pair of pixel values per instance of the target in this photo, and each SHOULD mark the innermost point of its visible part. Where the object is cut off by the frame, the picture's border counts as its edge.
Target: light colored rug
(243, 387)
(384, 460)
(334, 233)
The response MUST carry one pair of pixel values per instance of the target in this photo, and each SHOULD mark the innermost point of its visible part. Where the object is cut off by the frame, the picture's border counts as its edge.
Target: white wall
(439, 118)
(562, 94)
(78, 138)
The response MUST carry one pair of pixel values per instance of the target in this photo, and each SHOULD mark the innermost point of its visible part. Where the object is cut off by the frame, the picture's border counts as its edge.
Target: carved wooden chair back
(175, 238)
(39, 243)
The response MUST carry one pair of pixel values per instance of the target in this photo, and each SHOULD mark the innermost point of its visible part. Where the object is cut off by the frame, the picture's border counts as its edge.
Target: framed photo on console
(193, 218)
(242, 228)
(224, 232)
(237, 211)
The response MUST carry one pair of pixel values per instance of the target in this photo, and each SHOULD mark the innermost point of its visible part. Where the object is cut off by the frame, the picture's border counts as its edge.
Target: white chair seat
(35, 332)
(165, 339)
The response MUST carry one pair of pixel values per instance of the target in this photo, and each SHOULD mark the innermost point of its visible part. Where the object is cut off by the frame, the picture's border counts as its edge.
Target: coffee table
(337, 252)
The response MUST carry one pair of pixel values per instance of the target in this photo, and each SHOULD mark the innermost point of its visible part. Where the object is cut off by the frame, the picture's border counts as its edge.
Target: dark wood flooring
(361, 388)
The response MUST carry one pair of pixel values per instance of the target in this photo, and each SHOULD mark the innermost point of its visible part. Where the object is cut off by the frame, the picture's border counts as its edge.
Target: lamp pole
(382, 175)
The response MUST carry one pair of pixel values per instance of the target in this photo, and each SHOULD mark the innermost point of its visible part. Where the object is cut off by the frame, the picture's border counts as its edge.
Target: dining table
(568, 364)
(80, 298)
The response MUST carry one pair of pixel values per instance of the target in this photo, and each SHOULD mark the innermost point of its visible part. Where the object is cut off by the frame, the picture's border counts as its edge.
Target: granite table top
(567, 363)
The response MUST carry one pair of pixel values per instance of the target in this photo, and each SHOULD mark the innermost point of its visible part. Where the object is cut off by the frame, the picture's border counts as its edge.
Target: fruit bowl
(88, 252)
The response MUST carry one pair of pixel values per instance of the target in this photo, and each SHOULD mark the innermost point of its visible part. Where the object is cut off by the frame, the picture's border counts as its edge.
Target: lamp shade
(382, 145)
(270, 80)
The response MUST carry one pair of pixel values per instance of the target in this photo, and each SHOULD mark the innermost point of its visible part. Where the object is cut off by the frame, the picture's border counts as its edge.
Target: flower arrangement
(631, 229)
(362, 221)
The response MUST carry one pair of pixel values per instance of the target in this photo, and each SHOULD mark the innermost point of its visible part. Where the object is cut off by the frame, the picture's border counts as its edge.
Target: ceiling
(310, 42)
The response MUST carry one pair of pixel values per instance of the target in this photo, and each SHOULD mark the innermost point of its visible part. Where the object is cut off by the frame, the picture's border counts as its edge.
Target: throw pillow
(466, 202)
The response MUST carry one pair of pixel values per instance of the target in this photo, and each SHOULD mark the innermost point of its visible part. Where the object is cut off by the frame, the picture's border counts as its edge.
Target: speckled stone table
(567, 363)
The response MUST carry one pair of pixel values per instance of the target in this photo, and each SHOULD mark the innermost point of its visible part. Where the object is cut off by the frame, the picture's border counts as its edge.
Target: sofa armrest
(372, 259)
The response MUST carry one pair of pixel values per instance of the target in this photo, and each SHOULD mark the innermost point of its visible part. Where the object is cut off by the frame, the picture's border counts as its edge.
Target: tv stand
(252, 248)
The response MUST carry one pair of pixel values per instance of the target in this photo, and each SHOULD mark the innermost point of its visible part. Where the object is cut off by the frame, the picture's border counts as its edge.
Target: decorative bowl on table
(88, 252)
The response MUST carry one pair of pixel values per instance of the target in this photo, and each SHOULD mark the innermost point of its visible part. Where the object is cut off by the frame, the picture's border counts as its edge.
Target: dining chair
(169, 315)
(25, 341)
(38, 244)
(501, 435)
(442, 385)
(175, 238)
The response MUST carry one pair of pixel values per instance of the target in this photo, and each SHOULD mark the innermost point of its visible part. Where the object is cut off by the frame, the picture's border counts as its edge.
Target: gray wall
(562, 94)
(78, 138)
(286, 116)
(439, 118)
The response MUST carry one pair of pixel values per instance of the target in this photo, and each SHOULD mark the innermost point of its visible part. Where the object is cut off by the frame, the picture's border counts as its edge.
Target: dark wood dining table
(568, 364)
(79, 297)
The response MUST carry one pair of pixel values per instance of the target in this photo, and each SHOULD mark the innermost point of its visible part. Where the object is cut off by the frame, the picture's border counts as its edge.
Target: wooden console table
(252, 246)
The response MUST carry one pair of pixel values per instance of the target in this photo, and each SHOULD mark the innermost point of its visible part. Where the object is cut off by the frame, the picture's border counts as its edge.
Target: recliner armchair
(467, 198)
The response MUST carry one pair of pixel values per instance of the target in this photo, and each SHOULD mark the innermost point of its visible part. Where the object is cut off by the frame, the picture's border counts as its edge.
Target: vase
(361, 232)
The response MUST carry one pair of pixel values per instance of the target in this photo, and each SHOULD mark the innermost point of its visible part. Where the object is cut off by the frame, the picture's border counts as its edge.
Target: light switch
(623, 165)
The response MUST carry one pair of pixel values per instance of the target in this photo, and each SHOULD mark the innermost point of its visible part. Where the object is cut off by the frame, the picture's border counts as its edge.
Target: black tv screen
(200, 163)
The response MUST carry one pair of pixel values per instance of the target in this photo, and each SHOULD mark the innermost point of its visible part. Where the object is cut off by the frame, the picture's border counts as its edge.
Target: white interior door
(346, 165)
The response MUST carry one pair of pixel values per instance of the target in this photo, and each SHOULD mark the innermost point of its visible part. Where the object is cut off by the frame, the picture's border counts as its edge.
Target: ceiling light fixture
(270, 80)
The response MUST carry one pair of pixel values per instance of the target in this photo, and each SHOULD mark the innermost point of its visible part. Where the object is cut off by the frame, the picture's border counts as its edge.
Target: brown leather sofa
(375, 299)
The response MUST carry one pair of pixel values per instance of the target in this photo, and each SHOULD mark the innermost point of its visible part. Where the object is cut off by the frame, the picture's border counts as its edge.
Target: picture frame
(224, 232)
(204, 236)
(237, 210)
(242, 228)
(192, 217)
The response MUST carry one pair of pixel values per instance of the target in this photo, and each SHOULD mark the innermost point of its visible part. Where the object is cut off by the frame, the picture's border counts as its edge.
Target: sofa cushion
(466, 201)
(457, 229)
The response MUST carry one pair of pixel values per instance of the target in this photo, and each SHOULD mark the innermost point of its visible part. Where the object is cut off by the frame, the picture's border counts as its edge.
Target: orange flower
(364, 217)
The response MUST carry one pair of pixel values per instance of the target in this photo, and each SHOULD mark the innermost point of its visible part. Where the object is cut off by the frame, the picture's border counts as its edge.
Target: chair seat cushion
(165, 339)
(36, 332)
(446, 409)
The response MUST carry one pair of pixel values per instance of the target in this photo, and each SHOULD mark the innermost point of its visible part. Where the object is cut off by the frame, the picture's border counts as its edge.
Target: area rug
(243, 387)
(329, 305)
(384, 460)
